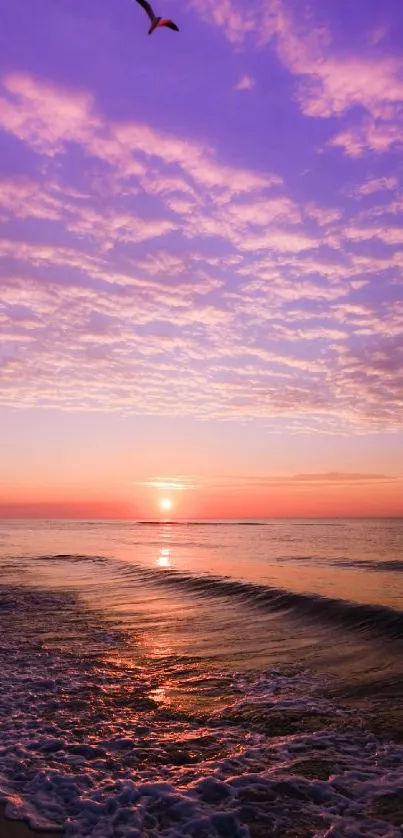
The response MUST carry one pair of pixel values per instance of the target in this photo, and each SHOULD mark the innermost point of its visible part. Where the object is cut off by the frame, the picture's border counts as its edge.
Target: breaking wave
(378, 619)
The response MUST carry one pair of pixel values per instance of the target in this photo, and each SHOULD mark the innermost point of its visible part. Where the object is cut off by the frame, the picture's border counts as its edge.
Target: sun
(165, 504)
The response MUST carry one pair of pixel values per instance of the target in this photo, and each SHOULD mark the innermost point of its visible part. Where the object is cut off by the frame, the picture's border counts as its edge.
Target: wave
(163, 522)
(379, 619)
(362, 617)
(375, 566)
(90, 746)
(386, 565)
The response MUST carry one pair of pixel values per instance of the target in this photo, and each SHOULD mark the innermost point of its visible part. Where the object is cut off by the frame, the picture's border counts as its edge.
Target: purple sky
(201, 240)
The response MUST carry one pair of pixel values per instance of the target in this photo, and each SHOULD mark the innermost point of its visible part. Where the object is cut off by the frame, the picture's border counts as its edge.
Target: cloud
(341, 477)
(324, 216)
(168, 484)
(369, 135)
(235, 20)
(202, 198)
(245, 83)
(374, 185)
(47, 118)
(242, 482)
(154, 278)
(20, 198)
(88, 351)
(331, 82)
(389, 235)
(335, 86)
(372, 375)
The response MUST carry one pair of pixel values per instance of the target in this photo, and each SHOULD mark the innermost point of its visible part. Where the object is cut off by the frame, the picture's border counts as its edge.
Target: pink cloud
(236, 21)
(330, 83)
(262, 212)
(338, 84)
(20, 198)
(207, 199)
(389, 235)
(372, 185)
(83, 353)
(245, 83)
(43, 115)
(47, 118)
(323, 215)
(372, 375)
(370, 135)
(243, 300)
(110, 227)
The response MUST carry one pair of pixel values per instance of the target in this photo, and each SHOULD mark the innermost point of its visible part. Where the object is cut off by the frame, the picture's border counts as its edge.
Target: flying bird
(156, 21)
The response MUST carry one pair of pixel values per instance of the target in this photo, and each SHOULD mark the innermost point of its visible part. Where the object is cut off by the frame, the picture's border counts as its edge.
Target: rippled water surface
(203, 679)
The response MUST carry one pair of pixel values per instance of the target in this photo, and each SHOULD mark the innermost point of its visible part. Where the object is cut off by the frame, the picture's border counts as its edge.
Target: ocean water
(201, 679)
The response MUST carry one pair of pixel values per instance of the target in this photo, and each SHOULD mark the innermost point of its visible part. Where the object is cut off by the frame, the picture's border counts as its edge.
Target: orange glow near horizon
(289, 501)
(311, 496)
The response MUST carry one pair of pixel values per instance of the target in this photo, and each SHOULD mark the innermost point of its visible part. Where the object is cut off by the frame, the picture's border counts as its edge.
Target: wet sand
(19, 829)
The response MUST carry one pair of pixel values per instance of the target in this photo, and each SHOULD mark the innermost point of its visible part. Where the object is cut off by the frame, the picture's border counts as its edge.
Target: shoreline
(20, 829)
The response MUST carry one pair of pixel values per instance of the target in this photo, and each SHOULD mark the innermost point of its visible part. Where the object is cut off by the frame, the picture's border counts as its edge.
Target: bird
(156, 21)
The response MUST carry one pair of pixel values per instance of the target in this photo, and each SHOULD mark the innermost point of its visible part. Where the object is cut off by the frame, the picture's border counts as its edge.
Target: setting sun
(166, 504)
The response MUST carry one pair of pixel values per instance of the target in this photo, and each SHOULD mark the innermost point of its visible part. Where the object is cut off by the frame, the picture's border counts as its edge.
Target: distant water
(203, 678)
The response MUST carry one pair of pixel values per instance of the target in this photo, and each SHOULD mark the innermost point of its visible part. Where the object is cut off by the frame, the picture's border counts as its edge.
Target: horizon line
(182, 521)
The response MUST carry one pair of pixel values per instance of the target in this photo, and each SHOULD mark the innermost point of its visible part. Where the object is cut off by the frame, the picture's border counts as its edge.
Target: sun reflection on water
(164, 557)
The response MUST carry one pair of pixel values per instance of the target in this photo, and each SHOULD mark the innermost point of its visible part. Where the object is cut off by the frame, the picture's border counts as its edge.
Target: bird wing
(147, 8)
(170, 24)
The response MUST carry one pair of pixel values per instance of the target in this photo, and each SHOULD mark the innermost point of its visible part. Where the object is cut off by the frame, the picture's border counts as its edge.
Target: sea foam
(89, 744)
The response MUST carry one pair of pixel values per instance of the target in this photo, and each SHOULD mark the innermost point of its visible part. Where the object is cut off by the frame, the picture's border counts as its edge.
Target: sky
(201, 253)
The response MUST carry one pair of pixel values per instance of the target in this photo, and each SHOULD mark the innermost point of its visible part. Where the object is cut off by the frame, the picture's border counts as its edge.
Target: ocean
(217, 679)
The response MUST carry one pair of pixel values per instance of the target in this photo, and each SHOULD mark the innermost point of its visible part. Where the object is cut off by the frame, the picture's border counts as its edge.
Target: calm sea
(203, 678)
